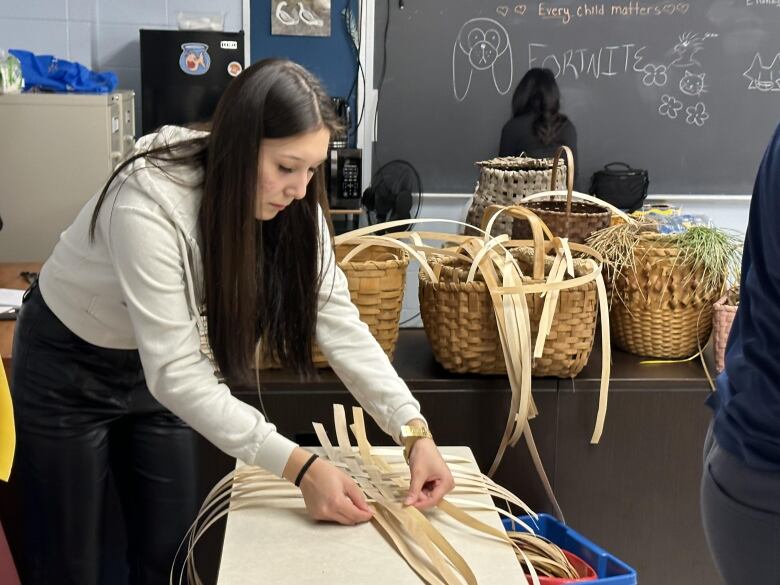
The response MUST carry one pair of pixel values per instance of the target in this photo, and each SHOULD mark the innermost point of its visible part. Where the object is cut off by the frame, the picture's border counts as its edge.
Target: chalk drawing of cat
(693, 83)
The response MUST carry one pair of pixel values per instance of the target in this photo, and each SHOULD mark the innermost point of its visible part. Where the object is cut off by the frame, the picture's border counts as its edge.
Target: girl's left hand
(431, 479)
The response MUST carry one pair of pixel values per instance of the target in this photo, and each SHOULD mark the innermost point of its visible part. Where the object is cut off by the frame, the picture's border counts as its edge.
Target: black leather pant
(84, 416)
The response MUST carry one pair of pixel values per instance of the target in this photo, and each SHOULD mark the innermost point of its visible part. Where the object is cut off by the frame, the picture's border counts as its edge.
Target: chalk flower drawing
(655, 75)
(670, 106)
(697, 114)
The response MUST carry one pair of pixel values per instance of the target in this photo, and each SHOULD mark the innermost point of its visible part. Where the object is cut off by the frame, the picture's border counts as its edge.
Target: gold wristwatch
(410, 435)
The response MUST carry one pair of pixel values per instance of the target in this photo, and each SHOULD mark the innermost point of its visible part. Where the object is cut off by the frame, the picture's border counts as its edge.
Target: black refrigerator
(184, 72)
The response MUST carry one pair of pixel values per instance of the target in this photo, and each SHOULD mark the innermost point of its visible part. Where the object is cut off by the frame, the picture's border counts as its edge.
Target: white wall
(100, 34)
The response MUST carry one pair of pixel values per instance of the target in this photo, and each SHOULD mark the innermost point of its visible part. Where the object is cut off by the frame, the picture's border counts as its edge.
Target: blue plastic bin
(610, 570)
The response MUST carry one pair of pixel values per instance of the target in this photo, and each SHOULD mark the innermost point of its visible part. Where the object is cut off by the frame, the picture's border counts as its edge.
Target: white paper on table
(10, 297)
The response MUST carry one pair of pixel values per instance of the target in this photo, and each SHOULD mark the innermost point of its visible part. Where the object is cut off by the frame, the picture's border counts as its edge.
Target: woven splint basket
(505, 181)
(376, 276)
(723, 312)
(660, 311)
(575, 220)
(460, 321)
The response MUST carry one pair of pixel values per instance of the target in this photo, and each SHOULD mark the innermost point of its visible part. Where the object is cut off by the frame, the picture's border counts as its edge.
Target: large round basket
(460, 321)
(658, 310)
(507, 180)
(575, 220)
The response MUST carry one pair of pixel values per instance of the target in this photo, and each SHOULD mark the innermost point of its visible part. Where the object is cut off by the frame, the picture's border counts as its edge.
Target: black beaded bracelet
(304, 469)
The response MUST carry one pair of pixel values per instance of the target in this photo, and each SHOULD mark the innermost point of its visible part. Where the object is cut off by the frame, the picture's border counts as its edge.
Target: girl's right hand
(330, 494)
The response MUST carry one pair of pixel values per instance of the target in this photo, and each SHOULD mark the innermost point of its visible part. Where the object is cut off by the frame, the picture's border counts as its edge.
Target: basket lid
(516, 163)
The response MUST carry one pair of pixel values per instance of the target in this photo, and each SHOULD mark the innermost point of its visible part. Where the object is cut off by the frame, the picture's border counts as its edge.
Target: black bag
(622, 186)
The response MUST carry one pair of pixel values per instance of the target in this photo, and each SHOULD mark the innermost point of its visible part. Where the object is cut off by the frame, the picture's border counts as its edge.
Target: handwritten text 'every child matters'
(548, 10)
(566, 14)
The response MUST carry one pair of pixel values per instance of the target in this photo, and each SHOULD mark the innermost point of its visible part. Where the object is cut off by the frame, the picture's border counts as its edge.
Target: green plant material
(714, 251)
(617, 244)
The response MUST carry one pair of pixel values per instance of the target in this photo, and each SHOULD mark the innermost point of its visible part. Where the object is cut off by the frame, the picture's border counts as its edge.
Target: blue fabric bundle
(46, 72)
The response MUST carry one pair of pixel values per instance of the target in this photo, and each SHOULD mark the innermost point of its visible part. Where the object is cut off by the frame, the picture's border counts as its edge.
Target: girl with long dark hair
(537, 127)
(202, 244)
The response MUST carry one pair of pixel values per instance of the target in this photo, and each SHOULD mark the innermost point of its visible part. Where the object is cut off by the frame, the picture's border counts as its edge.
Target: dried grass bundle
(665, 284)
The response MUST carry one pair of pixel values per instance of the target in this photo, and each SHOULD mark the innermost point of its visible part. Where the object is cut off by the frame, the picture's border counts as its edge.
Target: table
(10, 277)
(281, 546)
(636, 494)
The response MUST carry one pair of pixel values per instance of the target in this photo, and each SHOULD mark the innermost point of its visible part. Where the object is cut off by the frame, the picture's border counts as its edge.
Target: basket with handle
(460, 322)
(575, 220)
(506, 181)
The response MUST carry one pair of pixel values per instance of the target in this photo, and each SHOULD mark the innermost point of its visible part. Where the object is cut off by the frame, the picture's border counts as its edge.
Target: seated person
(537, 127)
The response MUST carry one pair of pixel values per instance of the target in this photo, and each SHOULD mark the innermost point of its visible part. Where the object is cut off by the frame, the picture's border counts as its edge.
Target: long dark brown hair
(261, 277)
(537, 94)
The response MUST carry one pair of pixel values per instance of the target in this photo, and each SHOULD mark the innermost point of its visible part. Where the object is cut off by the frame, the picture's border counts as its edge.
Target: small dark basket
(573, 220)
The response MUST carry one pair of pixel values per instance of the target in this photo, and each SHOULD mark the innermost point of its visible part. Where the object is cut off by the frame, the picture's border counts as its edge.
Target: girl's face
(286, 166)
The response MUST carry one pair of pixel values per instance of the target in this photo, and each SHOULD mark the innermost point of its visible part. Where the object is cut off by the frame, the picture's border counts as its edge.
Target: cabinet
(56, 151)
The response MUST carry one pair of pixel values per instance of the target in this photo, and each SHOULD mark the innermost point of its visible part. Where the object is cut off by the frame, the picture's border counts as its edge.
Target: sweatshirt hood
(177, 188)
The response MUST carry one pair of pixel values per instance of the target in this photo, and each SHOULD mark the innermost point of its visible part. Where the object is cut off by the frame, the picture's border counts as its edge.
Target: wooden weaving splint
(385, 483)
(491, 258)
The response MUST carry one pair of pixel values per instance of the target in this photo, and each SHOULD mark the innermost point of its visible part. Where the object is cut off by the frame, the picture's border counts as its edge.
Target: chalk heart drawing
(669, 8)
(520, 9)
(682, 8)
(503, 10)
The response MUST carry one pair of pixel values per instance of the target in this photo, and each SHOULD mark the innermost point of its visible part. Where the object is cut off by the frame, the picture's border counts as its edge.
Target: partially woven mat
(383, 477)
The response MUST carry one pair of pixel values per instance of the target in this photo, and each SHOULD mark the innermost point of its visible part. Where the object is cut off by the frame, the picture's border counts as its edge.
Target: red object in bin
(583, 569)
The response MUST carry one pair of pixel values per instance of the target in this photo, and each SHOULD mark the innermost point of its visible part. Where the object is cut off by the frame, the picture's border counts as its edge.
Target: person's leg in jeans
(741, 515)
(64, 405)
(154, 462)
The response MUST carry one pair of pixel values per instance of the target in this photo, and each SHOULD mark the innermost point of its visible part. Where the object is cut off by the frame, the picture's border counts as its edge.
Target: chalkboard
(688, 90)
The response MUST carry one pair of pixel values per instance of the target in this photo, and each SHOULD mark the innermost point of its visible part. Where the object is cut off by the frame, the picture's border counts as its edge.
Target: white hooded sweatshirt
(140, 286)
